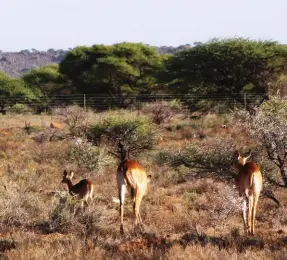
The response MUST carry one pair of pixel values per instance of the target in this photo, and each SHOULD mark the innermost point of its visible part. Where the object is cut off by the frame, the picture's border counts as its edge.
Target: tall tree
(117, 71)
(226, 67)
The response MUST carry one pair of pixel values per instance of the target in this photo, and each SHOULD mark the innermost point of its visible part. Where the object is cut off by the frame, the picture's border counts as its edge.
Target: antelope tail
(130, 180)
(251, 177)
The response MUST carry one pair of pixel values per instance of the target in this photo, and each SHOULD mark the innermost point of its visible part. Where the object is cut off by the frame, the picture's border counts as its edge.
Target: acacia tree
(114, 71)
(46, 79)
(268, 123)
(229, 66)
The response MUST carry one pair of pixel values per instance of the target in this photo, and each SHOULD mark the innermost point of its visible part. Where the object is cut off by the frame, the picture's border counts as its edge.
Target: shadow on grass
(241, 243)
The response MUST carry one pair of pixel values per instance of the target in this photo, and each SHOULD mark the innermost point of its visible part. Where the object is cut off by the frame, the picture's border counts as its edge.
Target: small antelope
(83, 189)
(130, 173)
(249, 185)
(27, 124)
(55, 125)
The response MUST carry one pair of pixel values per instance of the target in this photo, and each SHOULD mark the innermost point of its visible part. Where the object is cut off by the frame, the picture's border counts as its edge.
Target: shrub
(19, 109)
(75, 117)
(85, 154)
(268, 123)
(160, 112)
(209, 158)
(135, 133)
(17, 207)
(175, 105)
(62, 215)
(68, 216)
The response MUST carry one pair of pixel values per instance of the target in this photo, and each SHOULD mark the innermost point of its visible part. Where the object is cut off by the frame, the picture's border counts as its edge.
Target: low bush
(85, 154)
(136, 133)
(76, 118)
(19, 109)
(162, 111)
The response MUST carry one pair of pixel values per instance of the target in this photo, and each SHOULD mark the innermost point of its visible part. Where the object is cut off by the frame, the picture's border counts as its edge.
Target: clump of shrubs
(19, 108)
(136, 133)
(76, 118)
(162, 111)
(87, 155)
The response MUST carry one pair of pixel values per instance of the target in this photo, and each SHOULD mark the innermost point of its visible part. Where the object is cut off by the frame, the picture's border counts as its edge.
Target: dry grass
(184, 218)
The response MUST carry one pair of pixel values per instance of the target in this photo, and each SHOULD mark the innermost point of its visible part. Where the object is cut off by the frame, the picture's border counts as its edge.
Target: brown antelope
(27, 124)
(55, 125)
(130, 173)
(83, 189)
(249, 185)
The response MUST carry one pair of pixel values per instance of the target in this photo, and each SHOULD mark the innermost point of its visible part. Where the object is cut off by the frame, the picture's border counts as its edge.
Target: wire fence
(104, 102)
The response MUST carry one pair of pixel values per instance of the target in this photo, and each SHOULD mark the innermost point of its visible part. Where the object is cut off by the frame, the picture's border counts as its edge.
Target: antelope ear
(248, 155)
(148, 178)
(65, 173)
(71, 174)
(236, 154)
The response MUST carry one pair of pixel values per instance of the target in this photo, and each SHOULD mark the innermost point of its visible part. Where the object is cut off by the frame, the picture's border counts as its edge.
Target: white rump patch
(256, 183)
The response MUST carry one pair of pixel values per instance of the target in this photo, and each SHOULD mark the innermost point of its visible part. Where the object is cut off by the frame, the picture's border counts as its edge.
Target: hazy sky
(43, 24)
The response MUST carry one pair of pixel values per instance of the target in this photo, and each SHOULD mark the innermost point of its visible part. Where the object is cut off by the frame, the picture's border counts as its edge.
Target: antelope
(131, 174)
(249, 185)
(55, 125)
(83, 189)
(27, 124)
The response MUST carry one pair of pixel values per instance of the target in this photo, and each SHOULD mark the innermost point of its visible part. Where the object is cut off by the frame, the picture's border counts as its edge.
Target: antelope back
(135, 173)
(247, 171)
(56, 125)
(82, 188)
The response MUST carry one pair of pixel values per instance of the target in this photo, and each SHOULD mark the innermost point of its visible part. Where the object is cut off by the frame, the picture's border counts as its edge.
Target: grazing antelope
(249, 185)
(132, 175)
(83, 189)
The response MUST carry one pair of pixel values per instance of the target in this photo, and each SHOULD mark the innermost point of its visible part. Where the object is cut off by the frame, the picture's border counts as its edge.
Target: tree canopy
(13, 90)
(118, 70)
(226, 66)
(47, 79)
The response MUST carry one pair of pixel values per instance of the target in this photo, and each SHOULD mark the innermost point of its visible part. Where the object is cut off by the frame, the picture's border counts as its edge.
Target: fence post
(245, 101)
(85, 101)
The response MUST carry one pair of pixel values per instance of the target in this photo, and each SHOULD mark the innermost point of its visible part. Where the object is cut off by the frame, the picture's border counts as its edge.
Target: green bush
(206, 159)
(136, 133)
(19, 109)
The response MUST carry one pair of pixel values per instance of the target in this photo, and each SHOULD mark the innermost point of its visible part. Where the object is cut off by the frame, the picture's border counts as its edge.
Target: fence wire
(107, 101)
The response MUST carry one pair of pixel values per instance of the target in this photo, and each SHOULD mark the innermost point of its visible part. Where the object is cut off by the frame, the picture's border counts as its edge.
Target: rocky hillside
(17, 63)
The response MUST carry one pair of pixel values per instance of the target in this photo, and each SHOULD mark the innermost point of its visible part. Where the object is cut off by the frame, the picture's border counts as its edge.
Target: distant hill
(17, 63)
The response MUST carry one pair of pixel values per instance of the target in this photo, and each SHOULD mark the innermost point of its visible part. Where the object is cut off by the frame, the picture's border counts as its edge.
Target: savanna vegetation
(192, 209)
(242, 70)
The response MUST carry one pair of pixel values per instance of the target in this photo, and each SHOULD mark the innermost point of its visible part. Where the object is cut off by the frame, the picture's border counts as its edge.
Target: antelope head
(67, 177)
(239, 161)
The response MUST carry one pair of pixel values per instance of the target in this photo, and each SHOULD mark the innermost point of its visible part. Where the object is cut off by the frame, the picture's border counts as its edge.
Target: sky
(63, 24)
